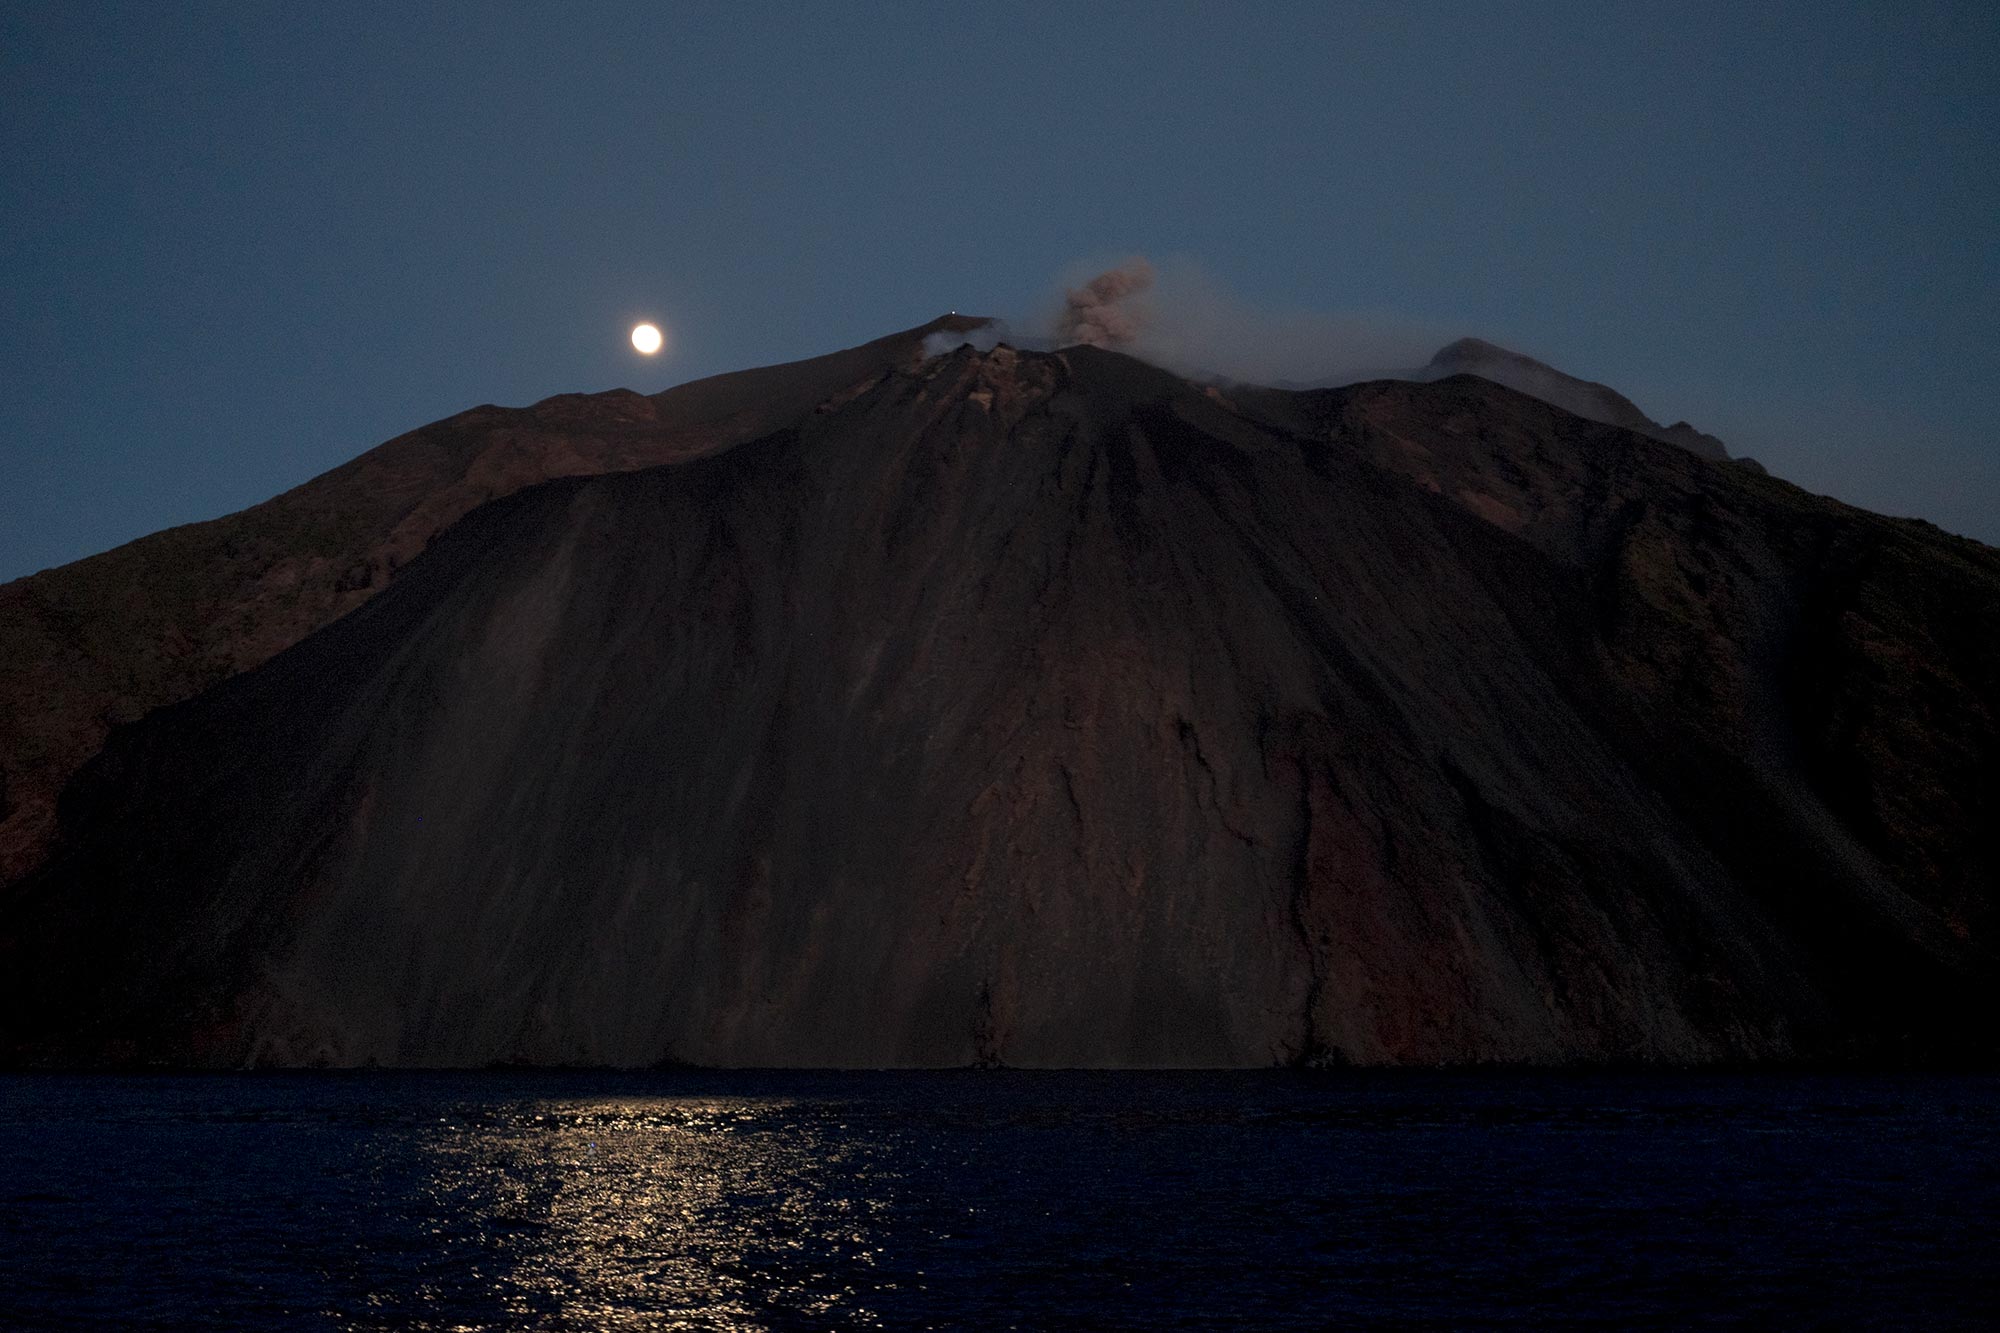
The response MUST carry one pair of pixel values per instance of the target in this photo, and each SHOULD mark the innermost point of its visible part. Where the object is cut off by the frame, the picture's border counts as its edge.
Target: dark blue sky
(244, 243)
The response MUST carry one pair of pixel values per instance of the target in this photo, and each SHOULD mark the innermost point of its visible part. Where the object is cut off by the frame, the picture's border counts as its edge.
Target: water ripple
(571, 1201)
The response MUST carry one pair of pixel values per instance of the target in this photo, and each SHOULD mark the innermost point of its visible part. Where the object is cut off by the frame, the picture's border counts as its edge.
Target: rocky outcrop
(1044, 709)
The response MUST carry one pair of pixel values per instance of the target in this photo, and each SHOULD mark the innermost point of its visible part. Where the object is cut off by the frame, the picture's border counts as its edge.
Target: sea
(998, 1200)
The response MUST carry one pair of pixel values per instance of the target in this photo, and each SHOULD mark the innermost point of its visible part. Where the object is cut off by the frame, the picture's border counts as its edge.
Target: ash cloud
(1106, 311)
(1176, 316)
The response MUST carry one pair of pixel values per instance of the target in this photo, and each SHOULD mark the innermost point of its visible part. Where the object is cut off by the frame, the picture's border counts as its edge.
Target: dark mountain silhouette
(105, 640)
(1046, 709)
(1586, 398)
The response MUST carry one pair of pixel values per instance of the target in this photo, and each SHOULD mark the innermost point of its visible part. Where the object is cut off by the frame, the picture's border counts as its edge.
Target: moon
(647, 339)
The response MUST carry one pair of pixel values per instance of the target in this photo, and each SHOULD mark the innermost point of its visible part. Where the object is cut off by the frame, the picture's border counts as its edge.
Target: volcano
(1010, 708)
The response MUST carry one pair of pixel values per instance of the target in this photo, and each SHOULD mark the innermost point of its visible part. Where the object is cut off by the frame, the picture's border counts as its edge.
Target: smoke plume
(1102, 312)
(1178, 317)
(982, 339)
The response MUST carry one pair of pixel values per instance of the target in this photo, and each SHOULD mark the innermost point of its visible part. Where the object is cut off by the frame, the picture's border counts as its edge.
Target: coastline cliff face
(1045, 709)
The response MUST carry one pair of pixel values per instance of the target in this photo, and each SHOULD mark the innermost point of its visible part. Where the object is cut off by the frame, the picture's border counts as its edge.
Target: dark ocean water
(997, 1200)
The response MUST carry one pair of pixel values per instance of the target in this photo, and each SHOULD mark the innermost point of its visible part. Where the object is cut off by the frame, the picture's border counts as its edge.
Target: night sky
(241, 244)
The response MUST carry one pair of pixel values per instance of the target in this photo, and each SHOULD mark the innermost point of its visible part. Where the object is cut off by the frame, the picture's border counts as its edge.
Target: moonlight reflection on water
(716, 1211)
(995, 1199)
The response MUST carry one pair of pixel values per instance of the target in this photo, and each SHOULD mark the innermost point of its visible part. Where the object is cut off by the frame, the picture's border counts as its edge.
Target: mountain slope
(106, 639)
(1049, 710)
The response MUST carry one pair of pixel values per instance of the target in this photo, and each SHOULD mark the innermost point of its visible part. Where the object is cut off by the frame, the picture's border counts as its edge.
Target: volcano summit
(1009, 707)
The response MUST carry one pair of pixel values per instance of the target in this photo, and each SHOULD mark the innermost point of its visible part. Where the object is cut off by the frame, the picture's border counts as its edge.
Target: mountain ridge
(105, 639)
(1586, 398)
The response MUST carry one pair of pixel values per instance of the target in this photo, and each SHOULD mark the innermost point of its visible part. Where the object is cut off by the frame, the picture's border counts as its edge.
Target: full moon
(646, 337)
